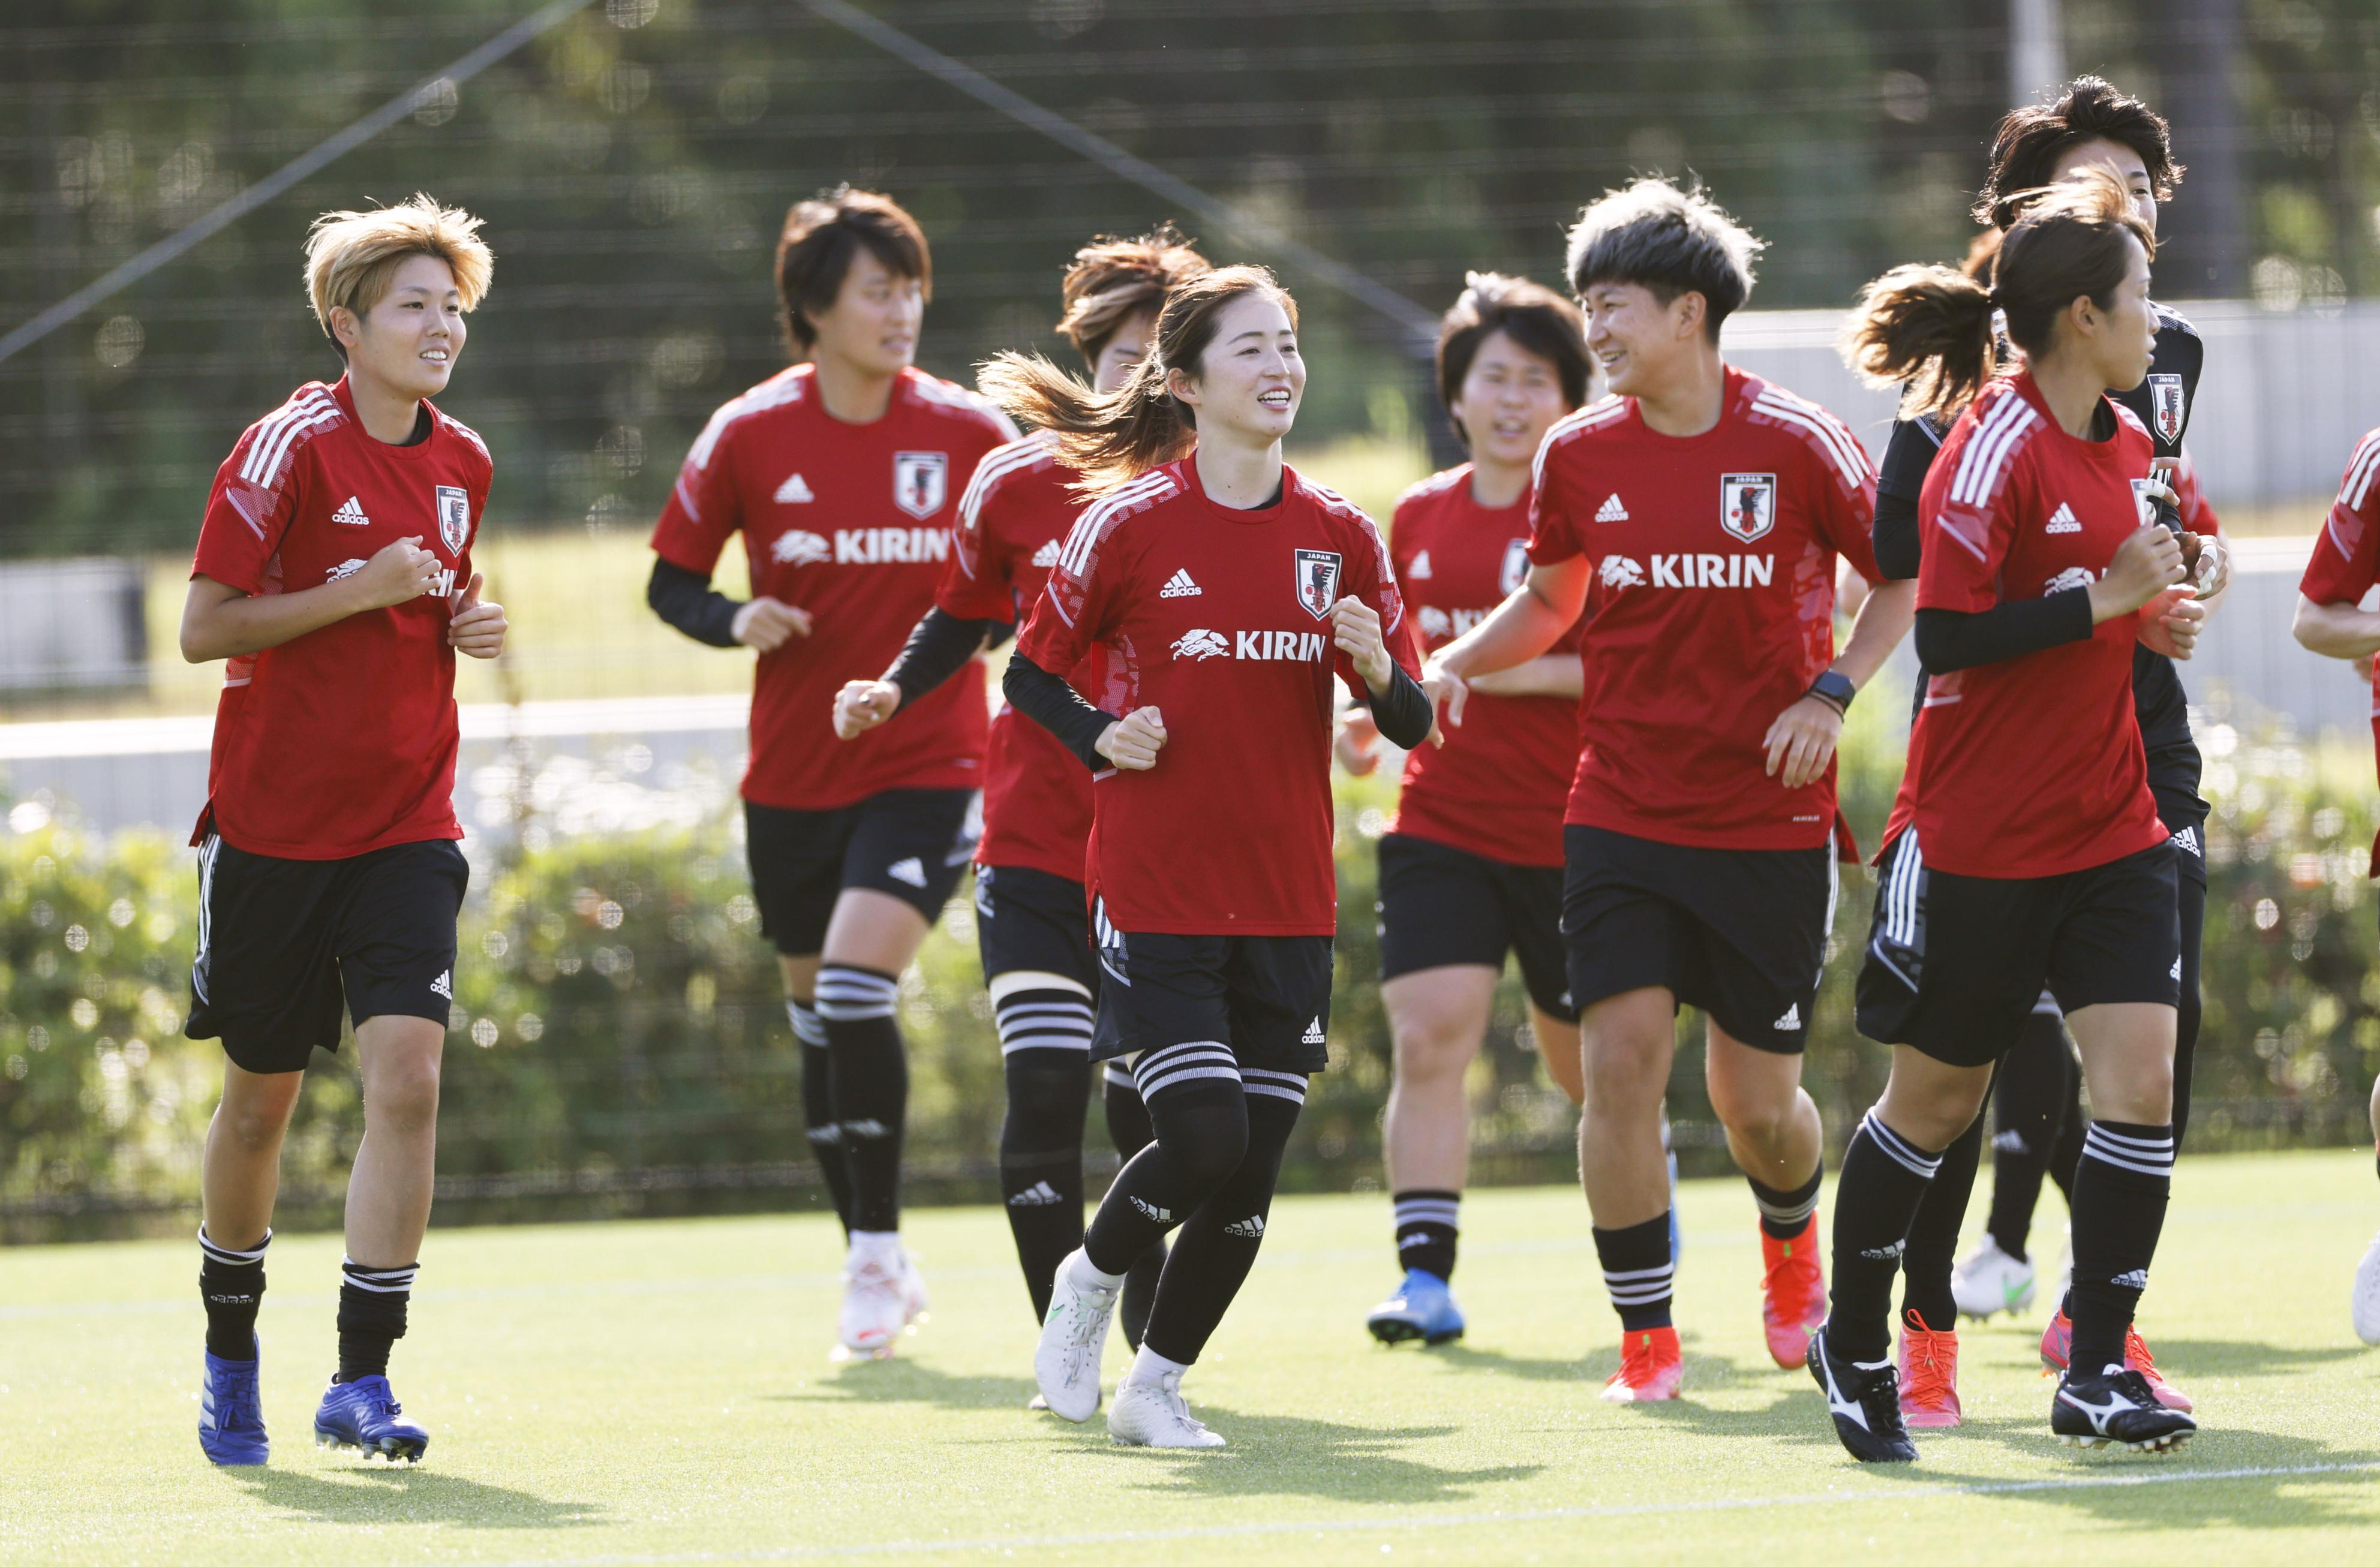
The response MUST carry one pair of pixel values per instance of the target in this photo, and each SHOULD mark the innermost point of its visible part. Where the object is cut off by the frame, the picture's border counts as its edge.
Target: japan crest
(919, 482)
(2166, 401)
(453, 518)
(1317, 581)
(1516, 565)
(1747, 503)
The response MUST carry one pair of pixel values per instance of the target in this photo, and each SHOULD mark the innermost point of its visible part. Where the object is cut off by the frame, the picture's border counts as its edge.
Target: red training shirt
(851, 522)
(1711, 610)
(1496, 787)
(2032, 766)
(1036, 795)
(341, 741)
(1217, 618)
(2347, 553)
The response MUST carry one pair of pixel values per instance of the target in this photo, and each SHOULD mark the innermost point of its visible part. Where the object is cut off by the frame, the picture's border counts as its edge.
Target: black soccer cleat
(2116, 1406)
(1866, 1403)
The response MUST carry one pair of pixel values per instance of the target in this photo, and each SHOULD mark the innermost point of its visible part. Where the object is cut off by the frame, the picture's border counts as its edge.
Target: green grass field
(658, 1393)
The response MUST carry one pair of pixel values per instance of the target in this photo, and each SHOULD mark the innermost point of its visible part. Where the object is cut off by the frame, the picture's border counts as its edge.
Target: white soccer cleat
(1153, 1414)
(915, 1305)
(2367, 1295)
(1989, 1282)
(1074, 1337)
(875, 1305)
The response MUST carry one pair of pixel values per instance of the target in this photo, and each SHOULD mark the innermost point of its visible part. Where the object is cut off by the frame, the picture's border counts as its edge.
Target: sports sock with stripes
(1785, 1214)
(1883, 1179)
(2120, 1192)
(868, 1085)
(2037, 1084)
(231, 1283)
(818, 1108)
(371, 1315)
(1041, 1161)
(1428, 1221)
(1198, 1111)
(1638, 1272)
(1129, 1130)
(1218, 1245)
(1932, 1250)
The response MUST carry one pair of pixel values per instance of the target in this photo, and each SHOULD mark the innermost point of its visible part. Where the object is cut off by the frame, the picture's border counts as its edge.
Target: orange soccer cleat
(1793, 1293)
(1929, 1374)
(1652, 1367)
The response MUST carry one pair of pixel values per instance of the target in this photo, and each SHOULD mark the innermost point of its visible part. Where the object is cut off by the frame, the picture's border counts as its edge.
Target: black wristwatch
(1836, 688)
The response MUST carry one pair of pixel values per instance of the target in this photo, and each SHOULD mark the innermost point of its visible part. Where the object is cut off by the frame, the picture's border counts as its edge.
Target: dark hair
(1538, 320)
(1109, 437)
(822, 235)
(1112, 279)
(1671, 241)
(2030, 141)
(1931, 327)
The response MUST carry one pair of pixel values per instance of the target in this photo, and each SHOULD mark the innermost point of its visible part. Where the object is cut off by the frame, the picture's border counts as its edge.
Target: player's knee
(403, 1094)
(1207, 1147)
(1622, 1074)
(1752, 1118)
(256, 1128)
(1432, 1050)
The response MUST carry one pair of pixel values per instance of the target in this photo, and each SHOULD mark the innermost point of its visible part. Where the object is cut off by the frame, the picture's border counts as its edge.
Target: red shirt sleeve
(704, 507)
(1845, 512)
(2347, 552)
(1373, 581)
(2197, 511)
(245, 521)
(976, 583)
(1966, 541)
(1551, 538)
(1085, 594)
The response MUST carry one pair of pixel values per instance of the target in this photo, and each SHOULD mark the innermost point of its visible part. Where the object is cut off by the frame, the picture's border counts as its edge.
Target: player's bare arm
(221, 622)
(1521, 628)
(1550, 675)
(2337, 631)
(1801, 742)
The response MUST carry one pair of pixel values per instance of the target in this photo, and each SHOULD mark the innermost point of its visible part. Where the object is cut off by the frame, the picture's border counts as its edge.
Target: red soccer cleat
(1793, 1293)
(1652, 1367)
(2058, 1346)
(1929, 1374)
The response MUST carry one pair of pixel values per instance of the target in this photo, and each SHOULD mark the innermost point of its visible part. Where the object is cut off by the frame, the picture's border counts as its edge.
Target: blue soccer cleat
(231, 1414)
(364, 1415)
(1422, 1309)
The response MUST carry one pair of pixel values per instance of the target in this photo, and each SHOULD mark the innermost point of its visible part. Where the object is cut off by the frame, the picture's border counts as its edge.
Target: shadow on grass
(2185, 1358)
(375, 1495)
(1281, 1456)
(907, 1381)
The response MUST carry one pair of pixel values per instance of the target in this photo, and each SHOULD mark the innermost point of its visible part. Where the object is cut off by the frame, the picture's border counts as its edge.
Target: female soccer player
(1471, 868)
(1699, 516)
(1214, 590)
(2329, 621)
(333, 571)
(1033, 924)
(2025, 851)
(842, 474)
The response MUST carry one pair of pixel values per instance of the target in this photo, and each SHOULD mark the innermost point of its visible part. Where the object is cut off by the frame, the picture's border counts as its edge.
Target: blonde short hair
(351, 256)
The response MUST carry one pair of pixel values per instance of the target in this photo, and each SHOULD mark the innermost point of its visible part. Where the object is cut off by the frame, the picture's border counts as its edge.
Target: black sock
(1218, 1245)
(2120, 1192)
(1429, 1221)
(1932, 1249)
(869, 1084)
(1201, 1125)
(2065, 1156)
(818, 1108)
(1129, 1130)
(2187, 1011)
(231, 1283)
(1638, 1273)
(2037, 1084)
(1883, 1179)
(1783, 1214)
(371, 1315)
(1041, 1161)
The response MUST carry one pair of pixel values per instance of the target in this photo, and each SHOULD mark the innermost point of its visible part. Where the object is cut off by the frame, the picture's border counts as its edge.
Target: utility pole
(2196, 44)
(2037, 50)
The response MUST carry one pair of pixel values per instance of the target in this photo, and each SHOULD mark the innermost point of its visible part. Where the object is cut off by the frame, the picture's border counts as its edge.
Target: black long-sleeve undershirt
(939, 646)
(1403, 711)
(1948, 641)
(1895, 536)
(687, 601)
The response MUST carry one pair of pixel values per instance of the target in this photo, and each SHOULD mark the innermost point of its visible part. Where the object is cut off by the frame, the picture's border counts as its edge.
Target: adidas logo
(1248, 1229)
(1883, 1254)
(1179, 586)
(793, 490)
(1155, 1214)
(1314, 1033)
(2138, 1279)
(2011, 1141)
(1793, 1018)
(1611, 510)
(2187, 842)
(1419, 571)
(444, 985)
(870, 1128)
(1040, 1194)
(1046, 557)
(911, 871)
(351, 513)
(2062, 520)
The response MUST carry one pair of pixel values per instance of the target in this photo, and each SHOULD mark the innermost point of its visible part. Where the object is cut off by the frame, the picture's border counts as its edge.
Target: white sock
(881, 1246)
(1150, 1367)
(1088, 1276)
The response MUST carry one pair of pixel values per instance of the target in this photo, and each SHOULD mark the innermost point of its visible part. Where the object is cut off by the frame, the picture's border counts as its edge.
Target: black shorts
(1441, 906)
(1029, 921)
(1265, 997)
(1740, 933)
(284, 945)
(910, 843)
(1955, 962)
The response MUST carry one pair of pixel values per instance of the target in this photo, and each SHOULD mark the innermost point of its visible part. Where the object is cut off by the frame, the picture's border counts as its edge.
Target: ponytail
(1927, 327)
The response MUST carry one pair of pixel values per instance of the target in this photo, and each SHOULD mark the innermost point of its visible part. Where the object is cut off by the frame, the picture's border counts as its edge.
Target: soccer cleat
(1422, 1309)
(1989, 1282)
(1929, 1375)
(1864, 1401)
(1792, 1294)
(2118, 1406)
(875, 1305)
(1074, 1336)
(1153, 1414)
(1652, 1367)
(231, 1412)
(915, 1305)
(2366, 1299)
(364, 1415)
(2058, 1343)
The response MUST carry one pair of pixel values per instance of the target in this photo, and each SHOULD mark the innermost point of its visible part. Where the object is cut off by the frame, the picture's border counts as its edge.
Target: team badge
(1516, 565)
(453, 518)
(920, 480)
(1747, 503)
(2170, 406)
(1317, 581)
